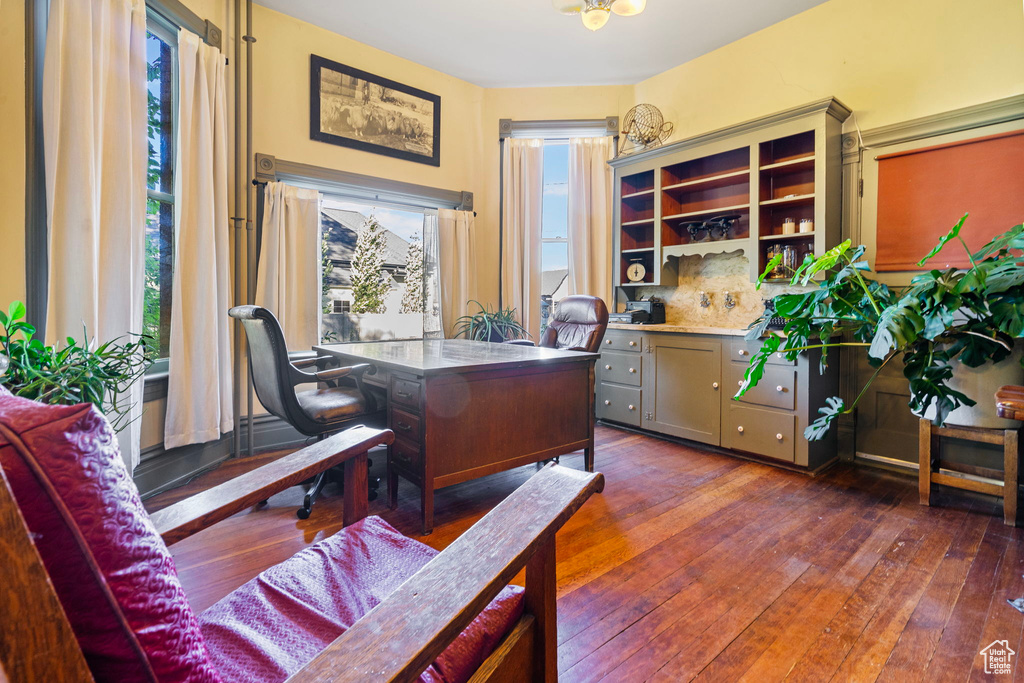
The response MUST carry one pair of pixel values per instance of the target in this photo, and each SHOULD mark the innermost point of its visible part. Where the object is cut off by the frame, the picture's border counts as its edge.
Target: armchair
(101, 601)
(345, 400)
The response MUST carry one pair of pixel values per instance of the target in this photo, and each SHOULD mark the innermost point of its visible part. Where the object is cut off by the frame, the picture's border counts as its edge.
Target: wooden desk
(464, 409)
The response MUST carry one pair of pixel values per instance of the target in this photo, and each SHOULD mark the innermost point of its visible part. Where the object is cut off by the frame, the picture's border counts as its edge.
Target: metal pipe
(249, 227)
(236, 389)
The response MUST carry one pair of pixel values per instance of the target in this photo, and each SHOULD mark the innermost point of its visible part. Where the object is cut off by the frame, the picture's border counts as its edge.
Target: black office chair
(319, 412)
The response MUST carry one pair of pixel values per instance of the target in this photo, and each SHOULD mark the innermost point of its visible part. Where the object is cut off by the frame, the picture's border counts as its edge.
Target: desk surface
(444, 356)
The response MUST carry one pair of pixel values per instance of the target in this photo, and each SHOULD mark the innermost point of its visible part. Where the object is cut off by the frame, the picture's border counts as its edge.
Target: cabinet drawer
(619, 404)
(407, 455)
(777, 387)
(621, 368)
(760, 431)
(405, 424)
(742, 350)
(405, 392)
(623, 340)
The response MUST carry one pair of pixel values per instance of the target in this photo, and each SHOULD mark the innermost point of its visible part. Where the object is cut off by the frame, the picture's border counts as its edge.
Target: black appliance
(653, 308)
(629, 317)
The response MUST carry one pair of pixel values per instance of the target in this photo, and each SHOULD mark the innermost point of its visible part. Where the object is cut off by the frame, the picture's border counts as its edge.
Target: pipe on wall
(236, 219)
(249, 226)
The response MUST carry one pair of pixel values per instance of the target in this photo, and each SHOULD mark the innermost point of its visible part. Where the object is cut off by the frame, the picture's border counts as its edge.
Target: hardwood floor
(693, 565)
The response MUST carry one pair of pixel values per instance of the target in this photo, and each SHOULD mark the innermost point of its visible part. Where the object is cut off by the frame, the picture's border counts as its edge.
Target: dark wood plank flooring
(694, 565)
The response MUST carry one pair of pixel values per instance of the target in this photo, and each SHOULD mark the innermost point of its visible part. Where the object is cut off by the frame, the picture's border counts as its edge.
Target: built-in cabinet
(682, 385)
(749, 188)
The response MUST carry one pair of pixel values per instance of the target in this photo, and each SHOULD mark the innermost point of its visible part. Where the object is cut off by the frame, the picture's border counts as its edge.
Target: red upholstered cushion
(270, 627)
(111, 570)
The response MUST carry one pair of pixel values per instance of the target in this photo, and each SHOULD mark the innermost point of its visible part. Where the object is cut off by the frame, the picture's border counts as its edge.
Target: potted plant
(944, 319)
(490, 325)
(76, 373)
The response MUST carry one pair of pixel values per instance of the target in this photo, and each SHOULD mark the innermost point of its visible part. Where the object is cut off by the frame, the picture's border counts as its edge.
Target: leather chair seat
(331, 404)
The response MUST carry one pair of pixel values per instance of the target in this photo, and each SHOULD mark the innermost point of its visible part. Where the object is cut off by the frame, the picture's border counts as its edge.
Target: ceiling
(517, 43)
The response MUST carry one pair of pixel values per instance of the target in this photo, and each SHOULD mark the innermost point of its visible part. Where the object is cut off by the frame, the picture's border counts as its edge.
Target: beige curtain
(522, 197)
(457, 265)
(590, 216)
(199, 371)
(288, 279)
(94, 130)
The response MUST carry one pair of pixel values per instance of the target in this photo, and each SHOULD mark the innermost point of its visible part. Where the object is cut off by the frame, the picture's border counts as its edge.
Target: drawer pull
(779, 354)
(632, 343)
(607, 341)
(740, 429)
(740, 383)
(632, 370)
(403, 394)
(781, 389)
(607, 367)
(402, 427)
(632, 407)
(742, 352)
(607, 402)
(779, 437)
(714, 385)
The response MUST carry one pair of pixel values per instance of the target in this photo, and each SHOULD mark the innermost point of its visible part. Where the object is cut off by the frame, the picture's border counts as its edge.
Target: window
(161, 80)
(342, 306)
(554, 249)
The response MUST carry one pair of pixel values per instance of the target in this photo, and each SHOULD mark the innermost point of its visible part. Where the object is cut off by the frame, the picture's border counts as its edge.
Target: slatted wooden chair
(88, 590)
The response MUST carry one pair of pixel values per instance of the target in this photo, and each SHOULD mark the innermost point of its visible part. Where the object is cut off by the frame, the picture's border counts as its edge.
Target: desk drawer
(742, 350)
(621, 368)
(622, 340)
(405, 392)
(760, 431)
(407, 455)
(619, 404)
(405, 425)
(777, 387)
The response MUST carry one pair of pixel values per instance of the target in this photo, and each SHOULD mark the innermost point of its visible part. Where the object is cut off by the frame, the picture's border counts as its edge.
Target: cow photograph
(353, 108)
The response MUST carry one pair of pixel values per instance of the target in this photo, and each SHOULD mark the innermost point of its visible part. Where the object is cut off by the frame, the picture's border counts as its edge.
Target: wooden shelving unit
(785, 166)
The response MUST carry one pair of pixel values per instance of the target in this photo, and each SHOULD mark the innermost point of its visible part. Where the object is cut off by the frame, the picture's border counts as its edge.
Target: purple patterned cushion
(112, 572)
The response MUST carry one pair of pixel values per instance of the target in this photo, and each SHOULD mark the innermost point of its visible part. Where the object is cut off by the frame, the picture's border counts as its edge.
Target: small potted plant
(944, 320)
(490, 325)
(76, 373)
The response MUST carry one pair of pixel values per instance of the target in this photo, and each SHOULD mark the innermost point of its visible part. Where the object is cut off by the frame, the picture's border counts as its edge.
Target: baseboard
(161, 470)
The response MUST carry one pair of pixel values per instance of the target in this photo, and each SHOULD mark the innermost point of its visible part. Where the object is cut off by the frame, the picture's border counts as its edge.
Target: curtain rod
(558, 128)
(180, 15)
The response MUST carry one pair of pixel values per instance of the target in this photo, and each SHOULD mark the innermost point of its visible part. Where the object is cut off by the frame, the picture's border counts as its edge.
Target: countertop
(685, 329)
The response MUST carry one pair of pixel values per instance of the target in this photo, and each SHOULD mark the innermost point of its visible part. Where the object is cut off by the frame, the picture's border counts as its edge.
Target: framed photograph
(356, 109)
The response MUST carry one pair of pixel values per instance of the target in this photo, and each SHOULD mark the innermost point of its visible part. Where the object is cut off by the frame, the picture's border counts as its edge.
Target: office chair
(579, 325)
(344, 402)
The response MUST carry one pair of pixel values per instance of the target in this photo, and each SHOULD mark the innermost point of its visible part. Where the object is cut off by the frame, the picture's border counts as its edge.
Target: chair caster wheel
(302, 513)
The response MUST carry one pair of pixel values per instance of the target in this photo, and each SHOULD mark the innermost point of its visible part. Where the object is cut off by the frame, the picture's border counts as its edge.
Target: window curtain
(199, 371)
(457, 259)
(522, 196)
(94, 130)
(288, 279)
(590, 216)
(432, 328)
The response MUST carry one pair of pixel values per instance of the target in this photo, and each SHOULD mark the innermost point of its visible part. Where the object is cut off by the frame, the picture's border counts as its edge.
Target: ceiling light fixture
(595, 13)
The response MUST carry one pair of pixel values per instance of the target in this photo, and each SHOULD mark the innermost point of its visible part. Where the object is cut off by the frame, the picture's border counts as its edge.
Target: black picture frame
(356, 109)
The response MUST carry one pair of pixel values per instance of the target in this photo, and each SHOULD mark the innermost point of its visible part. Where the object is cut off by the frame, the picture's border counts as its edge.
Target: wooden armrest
(400, 637)
(205, 509)
(338, 373)
(307, 361)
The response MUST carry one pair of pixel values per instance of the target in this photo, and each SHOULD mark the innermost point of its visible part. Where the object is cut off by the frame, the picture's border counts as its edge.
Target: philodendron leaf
(1011, 239)
(773, 262)
(755, 371)
(819, 428)
(1008, 315)
(899, 325)
(826, 261)
(951, 235)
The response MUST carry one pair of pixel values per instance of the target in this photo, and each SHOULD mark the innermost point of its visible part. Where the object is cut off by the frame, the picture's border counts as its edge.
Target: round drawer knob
(779, 354)
(780, 389)
(607, 341)
(714, 385)
(742, 352)
(632, 407)
(779, 437)
(739, 383)
(632, 343)
(740, 429)
(607, 367)
(632, 369)
(607, 403)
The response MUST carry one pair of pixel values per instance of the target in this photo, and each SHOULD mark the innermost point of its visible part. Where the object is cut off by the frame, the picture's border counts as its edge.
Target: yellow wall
(12, 142)
(889, 60)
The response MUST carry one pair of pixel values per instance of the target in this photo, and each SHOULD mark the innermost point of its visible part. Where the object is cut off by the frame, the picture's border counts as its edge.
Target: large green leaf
(1008, 314)
(755, 371)
(833, 408)
(898, 326)
(951, 235)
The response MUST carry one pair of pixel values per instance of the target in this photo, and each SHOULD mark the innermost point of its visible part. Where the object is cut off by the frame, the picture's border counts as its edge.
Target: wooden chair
(398, 639)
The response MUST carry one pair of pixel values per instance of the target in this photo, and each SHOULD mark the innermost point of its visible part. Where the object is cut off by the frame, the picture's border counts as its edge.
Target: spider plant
(490, 325)
(973, 315)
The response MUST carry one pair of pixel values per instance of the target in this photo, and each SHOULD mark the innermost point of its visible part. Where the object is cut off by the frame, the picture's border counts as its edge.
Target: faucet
(730, 302)
(705, 300)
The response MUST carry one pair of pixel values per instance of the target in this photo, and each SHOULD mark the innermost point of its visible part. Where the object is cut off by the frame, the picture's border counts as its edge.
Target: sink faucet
(730, 302)
(705, 300)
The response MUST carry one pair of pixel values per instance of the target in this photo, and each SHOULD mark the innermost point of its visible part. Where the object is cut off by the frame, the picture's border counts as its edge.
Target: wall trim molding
(558, 128)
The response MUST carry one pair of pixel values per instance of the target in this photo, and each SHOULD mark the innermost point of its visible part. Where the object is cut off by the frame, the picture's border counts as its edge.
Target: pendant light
(594, 17)
(628, 8)
(595, 13)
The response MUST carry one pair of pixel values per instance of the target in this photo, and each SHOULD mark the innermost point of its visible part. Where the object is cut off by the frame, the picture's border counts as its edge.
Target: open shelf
(636, 195)
(637, 183)
(792, 164)
(637, 251)
(796, 199)
(708, 183)
(707, 168)
(644, 221)
(644, 256)
(789, 148)
(794, 236)
(675, 233)
(707, 212)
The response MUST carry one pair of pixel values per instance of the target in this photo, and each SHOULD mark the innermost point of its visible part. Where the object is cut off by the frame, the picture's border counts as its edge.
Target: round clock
(636, 272)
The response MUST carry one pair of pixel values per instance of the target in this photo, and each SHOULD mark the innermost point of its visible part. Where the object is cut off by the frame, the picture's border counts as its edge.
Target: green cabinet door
(682, 387)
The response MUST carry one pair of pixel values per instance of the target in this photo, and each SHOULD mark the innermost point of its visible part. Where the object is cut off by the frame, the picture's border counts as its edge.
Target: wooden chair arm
(399, 638)
(205, 509)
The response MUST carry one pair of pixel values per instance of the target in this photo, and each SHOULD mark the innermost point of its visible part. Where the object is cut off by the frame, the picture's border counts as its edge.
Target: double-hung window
(554, 248)
(161, 55)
